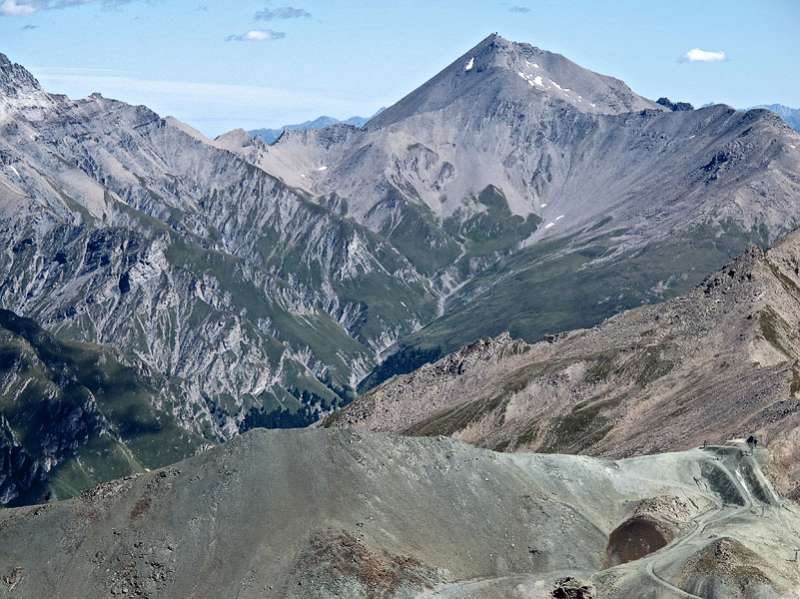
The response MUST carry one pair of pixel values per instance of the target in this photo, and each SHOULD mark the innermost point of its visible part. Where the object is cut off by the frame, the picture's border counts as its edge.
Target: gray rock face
(513, 70)
(126, 229)
(15, 80)
(674, 106)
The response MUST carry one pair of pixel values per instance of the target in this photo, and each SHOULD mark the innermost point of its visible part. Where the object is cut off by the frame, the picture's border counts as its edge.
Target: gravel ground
(336, 513)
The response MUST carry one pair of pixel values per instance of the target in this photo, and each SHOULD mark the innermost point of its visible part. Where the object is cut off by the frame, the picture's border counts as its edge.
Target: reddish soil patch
(140, 507)
(635, 538)
(339, 555)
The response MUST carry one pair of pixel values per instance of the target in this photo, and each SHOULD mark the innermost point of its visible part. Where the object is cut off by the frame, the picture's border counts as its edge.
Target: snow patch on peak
(470, 65)
(532, 80)
(553, 223)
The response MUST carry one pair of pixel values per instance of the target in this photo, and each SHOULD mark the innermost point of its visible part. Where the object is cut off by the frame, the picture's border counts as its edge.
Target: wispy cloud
(284, 12)
(118, 84)
(221, 106)
(698, 55)
(257, 35)
(22, 8)
(10, 8)
(121, 84)
(519, 9)
(78, 73)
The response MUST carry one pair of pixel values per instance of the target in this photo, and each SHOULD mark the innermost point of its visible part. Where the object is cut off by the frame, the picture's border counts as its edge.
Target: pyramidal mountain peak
(498, 69)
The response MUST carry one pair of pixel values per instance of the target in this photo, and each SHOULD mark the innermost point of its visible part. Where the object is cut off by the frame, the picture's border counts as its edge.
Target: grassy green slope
(563, 284)
(59, 398)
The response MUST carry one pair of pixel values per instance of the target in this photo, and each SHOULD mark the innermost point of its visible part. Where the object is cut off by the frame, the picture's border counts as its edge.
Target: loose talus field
(338, 513)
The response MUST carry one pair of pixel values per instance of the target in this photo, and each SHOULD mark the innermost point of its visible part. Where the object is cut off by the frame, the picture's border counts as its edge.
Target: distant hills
(271, 135)
(790, 115)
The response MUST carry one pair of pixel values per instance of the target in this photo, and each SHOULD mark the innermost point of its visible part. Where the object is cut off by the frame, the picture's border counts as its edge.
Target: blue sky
(240, 63)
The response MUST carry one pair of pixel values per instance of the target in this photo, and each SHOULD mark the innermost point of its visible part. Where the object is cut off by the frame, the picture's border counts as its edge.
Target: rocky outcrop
(15, 80)
(727, 568)
(572, 588)
(134, 231)
(674, 106)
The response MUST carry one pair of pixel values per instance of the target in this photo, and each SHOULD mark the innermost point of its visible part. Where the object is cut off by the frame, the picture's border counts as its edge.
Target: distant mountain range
(263, 285)
(271, 135)
(790, 115)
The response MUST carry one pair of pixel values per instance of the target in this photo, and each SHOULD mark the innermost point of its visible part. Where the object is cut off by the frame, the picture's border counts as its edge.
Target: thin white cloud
(698, 55)
(76, 73)
(131, 88)
(213, 107)
(11, 8)
(257, 35)
(122, 86)
(22, 8)
(284, 12)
